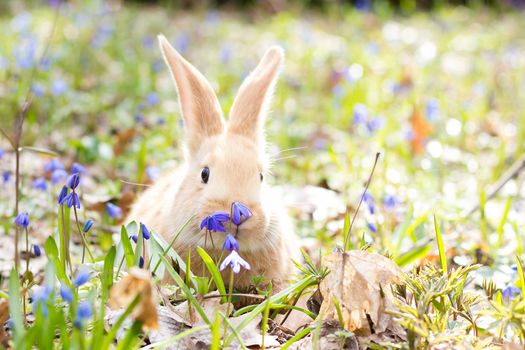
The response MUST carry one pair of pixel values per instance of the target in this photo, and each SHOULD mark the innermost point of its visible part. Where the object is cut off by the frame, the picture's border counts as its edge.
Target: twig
(513, 171)
(361, 200)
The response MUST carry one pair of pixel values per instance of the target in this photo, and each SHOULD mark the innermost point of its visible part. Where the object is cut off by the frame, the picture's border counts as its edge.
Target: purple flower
(182, 42)
(59, 87)
(36, 250)
(145, 231)
(161, 121)
(369, 200)
(148, 42)
(360, 114)
(141, 262)
(87, 225)
(2, 152)
(390, 202)
(239, 210)
(77, 168)
(235, 262)
(152, 98)
(53, 165)
(6, 175)
(372, 227)
(22, 220)
(83, 276)
(510, 292)
(135, 238)
(66, 294)
(84, 312)
(113, 210)
(214, 222)
(139, 118)
(73, 181)
(58, 175)
(72, 200)
(40, 184)
(62, 195)
(230, 243)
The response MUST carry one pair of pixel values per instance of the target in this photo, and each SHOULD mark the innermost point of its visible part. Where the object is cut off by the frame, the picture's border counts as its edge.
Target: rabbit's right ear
(201, 112)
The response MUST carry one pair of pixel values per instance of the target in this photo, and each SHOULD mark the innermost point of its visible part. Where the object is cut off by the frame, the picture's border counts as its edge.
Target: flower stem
(27, 249)
(83, 237)
(230, 292)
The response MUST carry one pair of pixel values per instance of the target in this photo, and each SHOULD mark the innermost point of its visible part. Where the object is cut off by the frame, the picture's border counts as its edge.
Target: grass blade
(441, 247)
(126, 245)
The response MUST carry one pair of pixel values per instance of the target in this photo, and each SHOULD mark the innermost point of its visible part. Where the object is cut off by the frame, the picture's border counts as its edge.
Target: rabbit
(224, 162)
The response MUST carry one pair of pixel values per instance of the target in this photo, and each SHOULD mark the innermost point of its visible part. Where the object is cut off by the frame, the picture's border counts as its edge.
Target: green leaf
(138, 248)
(51, 249)
(15, 308)
(126, 245)
(214, 271)
(414, 254)
(339, 313)
(521, 274)
(109, 262)
(441, 247)
(298, 336)
(186, 290)
(503, 221)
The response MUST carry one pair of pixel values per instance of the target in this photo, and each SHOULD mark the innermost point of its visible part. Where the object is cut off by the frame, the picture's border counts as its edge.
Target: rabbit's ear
(201, 112)
(249, 107)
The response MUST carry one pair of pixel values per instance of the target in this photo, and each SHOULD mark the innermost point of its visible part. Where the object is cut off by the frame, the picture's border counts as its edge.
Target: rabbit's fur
(235, 155)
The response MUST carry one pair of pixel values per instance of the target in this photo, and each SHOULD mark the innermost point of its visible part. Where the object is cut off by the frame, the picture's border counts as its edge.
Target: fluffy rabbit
(224, 162)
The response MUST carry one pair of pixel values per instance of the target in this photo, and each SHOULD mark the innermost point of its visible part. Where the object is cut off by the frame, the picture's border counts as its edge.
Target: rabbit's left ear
(249, 107)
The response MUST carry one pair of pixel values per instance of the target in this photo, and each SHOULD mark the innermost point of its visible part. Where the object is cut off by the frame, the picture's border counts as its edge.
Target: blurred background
(438, 87)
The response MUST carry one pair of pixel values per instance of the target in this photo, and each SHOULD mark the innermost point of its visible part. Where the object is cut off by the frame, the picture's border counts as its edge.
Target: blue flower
(152, 98)
(230, 243)
(2, 152)
(510, 292)
(72, 200)
(40, 184)
(139, 118)
(73, 181)
(113, 210)
(374, 124)
(235, 262)
(38, 89)
(36, 250)
(84, 312)
(141, 262)
(62, 195)
(145, 231)
(182, 42)
(369, 200)
(360, 114)
(87, 225)
(66, 294)
(371, 226)
(53, 165)
(239, 210)
(6, 175)
(148, 42)
(77, 168)
(83, 276)
(40, 297)
(59, 87)
(390, 202)
(214, 222)
(58, 175)
(152, 172)
(432, 109)
(22, 220)
(135, 238)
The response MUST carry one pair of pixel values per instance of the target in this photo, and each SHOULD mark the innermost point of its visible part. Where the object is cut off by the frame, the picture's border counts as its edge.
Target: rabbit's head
(226, 161)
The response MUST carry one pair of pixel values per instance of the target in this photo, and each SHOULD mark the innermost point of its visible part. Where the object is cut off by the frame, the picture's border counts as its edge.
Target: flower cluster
(215, 223)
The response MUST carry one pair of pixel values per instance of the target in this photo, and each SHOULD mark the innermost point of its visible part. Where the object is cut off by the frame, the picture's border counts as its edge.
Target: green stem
(83, 237)
(230, 292)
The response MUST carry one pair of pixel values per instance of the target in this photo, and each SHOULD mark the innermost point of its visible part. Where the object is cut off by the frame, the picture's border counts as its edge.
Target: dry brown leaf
(4, 316)
(327, 339)
(137, 281)
(360, 282)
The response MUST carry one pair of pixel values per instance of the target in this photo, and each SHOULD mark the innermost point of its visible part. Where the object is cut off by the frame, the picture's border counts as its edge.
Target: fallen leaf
(360, 282)
(4, 316)
(137, 281)
(420, 131)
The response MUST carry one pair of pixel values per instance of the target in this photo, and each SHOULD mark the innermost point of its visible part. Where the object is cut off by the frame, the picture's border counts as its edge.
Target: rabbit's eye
(261, 176)
(205, 174)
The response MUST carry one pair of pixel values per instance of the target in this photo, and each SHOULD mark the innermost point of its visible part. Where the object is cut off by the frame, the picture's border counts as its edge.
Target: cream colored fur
(235, 155)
